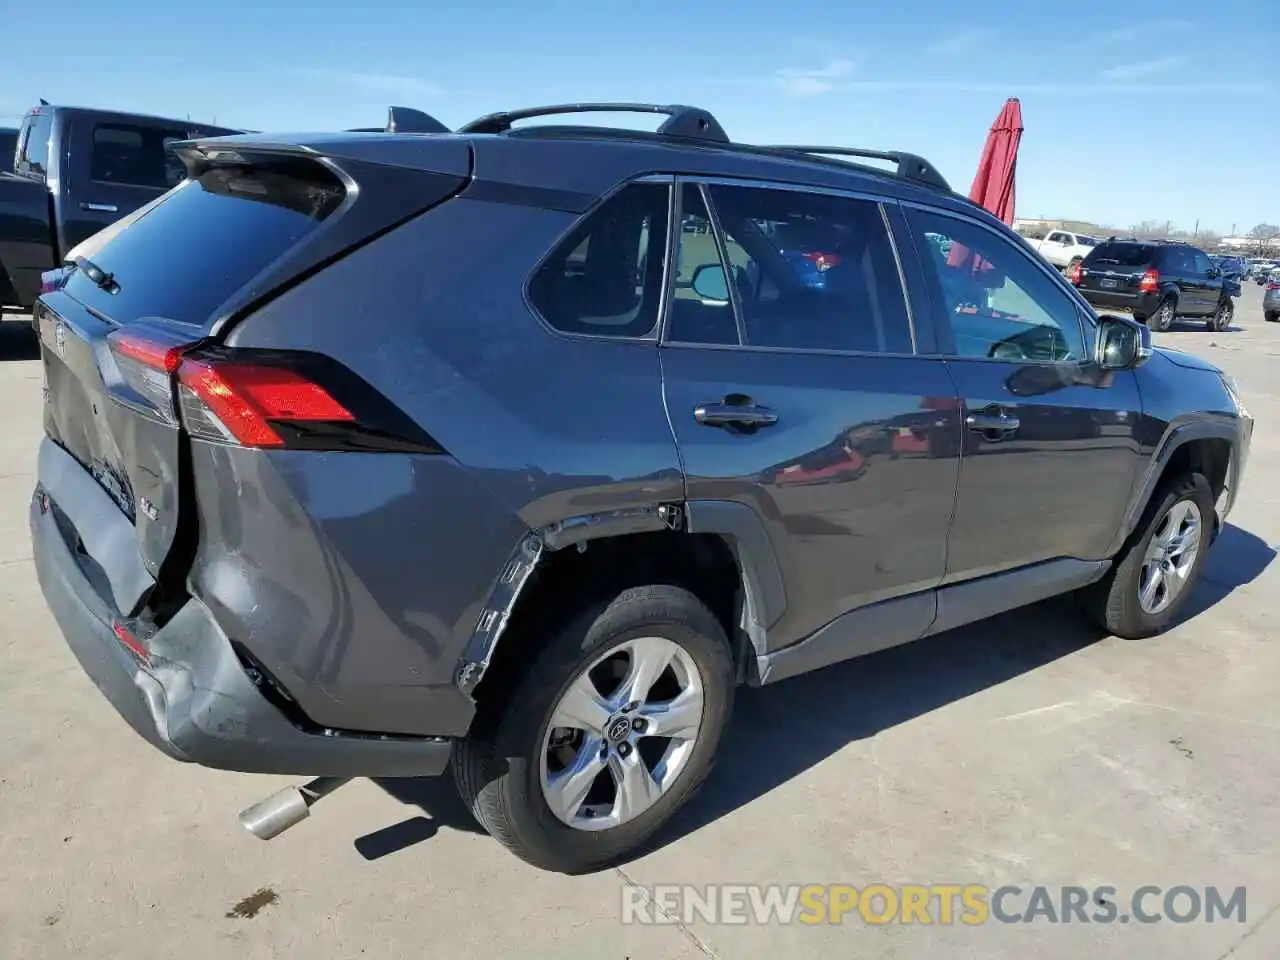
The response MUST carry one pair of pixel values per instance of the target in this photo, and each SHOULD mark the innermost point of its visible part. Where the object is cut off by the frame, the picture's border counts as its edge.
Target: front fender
(1235, 431)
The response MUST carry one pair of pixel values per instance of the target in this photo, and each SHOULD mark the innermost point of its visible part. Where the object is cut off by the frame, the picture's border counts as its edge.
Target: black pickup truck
(74, 172)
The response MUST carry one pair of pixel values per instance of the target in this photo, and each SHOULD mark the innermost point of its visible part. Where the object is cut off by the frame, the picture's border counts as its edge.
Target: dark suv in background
(519, 449)
(1157, 281)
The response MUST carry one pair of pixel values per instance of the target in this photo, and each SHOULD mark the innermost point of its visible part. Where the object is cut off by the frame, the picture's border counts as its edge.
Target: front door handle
(99, 207)
(992, 423)
(734, 415)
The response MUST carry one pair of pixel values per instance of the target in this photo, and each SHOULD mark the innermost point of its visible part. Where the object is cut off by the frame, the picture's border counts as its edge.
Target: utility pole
(1196, 232)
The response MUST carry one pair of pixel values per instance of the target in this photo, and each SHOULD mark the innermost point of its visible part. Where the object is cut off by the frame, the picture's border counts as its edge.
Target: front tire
(1156, 570)
(1222, 316)
(613, 727)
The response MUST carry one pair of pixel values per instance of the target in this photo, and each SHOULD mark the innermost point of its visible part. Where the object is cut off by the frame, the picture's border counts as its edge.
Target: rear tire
(515, 762)
(1163, 318)
(1118, 602)
(1272, 317)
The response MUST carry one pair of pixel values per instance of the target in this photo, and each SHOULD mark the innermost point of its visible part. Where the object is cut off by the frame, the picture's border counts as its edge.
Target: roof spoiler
(406, 120)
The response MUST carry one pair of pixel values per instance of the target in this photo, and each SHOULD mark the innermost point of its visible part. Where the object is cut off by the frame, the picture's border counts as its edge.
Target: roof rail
(406, 120)
(690, 123)
(909, 165)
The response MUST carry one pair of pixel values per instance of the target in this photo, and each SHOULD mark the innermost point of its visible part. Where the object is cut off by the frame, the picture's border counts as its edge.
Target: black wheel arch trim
(764, 591)
(764, 595)
(491, 623)
(1176, 436)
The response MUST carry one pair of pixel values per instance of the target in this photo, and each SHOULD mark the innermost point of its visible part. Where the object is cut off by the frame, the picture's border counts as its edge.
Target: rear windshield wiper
(105, 281)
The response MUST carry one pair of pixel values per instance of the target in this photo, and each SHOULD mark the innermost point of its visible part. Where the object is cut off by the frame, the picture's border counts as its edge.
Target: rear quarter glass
(204, 240)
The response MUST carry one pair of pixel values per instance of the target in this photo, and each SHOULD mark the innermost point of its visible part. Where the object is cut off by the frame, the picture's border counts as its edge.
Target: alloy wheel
(1222, 318)
(1170, 557)
(621, 734)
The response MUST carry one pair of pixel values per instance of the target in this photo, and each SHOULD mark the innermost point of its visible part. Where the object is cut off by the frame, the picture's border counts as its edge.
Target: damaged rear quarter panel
(355, 578)
(540, 428)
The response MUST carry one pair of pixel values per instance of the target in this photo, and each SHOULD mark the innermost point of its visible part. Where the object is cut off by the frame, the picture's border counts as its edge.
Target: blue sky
(1162, 110)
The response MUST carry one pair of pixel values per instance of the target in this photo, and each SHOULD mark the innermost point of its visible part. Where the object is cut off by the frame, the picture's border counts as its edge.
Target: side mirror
(710, 283)
(1214, 273)
(1123, 343)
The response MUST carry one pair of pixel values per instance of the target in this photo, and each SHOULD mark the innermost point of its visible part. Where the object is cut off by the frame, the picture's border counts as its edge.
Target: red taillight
(1273, 284)
(1074, 272)
(823, 261)
(1150, 281)
(238, 401)
(150, 353)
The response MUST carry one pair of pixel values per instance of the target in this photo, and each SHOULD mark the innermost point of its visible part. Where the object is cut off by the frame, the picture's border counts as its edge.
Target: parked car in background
(1233, 267)
(316, 495)
(8, 146)
(1157, 281)
(1271, 299)
(75, 172)
(1062, 248)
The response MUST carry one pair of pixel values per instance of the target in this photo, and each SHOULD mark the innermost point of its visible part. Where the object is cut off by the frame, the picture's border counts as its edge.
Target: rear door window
(605, 278)
(135, 156)
(185, 254)
(812, 271)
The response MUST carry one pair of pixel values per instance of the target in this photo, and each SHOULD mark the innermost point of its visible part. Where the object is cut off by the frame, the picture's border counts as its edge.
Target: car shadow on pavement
(780, 731)
(17, 339)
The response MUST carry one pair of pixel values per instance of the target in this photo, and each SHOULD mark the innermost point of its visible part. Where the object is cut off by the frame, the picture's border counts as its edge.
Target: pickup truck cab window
(135, 156)
(33, 154)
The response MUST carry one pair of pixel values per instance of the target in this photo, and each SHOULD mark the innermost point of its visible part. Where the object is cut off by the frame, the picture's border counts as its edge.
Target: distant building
(1245, 243)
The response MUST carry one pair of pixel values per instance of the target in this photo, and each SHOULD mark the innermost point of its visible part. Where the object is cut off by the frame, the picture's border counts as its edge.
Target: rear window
(183, 255)
(1121, 253)
(135, 156)
(8, 144)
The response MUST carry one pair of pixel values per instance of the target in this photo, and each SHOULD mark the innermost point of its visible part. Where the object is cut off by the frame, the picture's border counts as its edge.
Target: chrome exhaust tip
(273, 815)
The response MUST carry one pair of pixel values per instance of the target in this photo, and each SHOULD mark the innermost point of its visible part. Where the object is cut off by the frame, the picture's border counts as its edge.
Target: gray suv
(517, 450)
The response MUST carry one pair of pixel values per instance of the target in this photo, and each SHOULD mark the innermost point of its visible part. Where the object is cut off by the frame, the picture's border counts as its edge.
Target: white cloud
(1139, 31)
(961, 42)
(393, 85)
(1145, 68)
(814, 81)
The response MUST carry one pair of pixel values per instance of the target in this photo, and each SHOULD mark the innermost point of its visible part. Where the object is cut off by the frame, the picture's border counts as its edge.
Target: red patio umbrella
(993, 184)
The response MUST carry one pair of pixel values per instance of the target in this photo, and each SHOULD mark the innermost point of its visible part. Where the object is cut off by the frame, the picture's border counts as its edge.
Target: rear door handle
(992, 422)
(734, 415)
(99, 207)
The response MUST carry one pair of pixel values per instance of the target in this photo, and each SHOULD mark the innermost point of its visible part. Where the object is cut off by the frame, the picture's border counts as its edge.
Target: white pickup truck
(1062, 248)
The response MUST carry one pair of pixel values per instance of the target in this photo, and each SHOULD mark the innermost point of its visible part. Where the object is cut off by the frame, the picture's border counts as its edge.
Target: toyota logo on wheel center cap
(619, 729)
